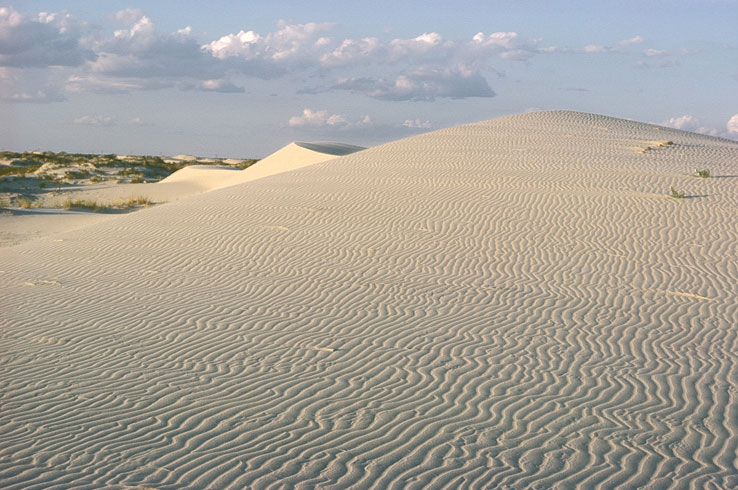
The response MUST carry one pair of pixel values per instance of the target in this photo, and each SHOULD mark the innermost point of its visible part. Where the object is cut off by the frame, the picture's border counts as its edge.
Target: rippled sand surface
(516, 303)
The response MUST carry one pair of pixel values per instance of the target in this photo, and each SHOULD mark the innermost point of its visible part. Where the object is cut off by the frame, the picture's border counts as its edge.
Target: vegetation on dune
(19, 171)
(676, 194)
(25, 177)
(131, 202)
(703, 173)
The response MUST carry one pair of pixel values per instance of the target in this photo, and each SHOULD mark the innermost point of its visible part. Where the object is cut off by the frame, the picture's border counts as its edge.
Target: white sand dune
(291, 157)
(29, 225)
(510, 304)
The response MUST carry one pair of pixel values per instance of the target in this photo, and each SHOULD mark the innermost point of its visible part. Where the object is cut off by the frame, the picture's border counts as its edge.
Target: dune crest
(516, 303)
(291, 157)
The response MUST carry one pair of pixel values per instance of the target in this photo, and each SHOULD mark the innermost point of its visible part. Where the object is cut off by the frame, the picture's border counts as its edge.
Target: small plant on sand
(676, 194)
(705, 174)
(91, 205)
(132, 202)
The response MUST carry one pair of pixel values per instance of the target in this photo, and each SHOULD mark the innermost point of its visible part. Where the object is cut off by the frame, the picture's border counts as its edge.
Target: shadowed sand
(516, 303)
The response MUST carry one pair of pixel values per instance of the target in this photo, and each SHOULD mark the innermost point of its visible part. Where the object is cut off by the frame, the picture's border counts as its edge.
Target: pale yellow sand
(510, 304)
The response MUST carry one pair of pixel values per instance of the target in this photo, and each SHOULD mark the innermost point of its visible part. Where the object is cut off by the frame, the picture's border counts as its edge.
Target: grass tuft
(130, 203)
(676, 194)
(705, 174)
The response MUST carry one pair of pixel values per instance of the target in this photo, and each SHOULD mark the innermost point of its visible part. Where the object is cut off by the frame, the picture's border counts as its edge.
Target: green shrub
(703, 173)
(676, 194)
(73, 174)
(19, 171)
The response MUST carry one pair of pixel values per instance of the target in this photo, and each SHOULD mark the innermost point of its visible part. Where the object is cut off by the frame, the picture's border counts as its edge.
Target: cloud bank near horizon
(46, 56)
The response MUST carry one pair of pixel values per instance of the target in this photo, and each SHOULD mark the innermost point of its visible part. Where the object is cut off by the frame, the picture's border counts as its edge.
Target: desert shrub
(703, 173)
(129, 171)
(25, 203)
(73, 174)
(19, 171)
(129, 203)
(676, 194)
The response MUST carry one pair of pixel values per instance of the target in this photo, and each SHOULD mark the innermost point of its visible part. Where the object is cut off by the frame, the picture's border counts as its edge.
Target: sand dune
(510, 304)
(195, 179)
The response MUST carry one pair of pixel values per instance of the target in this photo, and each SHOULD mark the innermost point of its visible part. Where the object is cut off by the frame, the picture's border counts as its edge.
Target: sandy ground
(516, 303)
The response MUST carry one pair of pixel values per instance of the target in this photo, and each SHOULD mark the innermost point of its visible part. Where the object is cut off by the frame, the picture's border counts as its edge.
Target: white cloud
(685, 122)
(732, 125)
(416, 124)
(633, 40)
(102, 84)
(19, 85)
(421, 84)
(322, 119)
(430, 47)
(691, 123)
(603, 48)
(288, 43)
(668, 63)
(655, 52)
(222, 86)
(95, 120)
(40, 96)
(41, 41)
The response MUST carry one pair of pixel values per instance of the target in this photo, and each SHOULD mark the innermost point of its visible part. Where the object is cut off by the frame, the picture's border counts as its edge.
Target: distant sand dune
(508, 304)
(187, 182)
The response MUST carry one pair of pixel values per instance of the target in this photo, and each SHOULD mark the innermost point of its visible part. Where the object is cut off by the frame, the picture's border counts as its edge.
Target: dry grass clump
(25, 203)
(653, 145)
(130, 203)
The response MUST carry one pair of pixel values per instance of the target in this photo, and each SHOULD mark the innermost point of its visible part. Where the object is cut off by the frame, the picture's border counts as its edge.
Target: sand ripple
(509, 304)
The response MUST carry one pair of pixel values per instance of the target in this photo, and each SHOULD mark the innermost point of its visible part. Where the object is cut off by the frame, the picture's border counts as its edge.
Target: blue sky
(242, 79)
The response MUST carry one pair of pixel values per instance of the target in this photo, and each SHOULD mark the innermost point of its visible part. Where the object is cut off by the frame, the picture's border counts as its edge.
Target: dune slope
(510, 304)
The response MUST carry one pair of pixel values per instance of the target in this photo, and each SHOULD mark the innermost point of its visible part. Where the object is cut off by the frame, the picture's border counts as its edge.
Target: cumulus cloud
(41, 40)
(691, 123)
(322, 119)
(732, 125)
(431, 47)
(95, 120)
(140, 51)
(139, 56)
(289, 43)
(421, 84)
